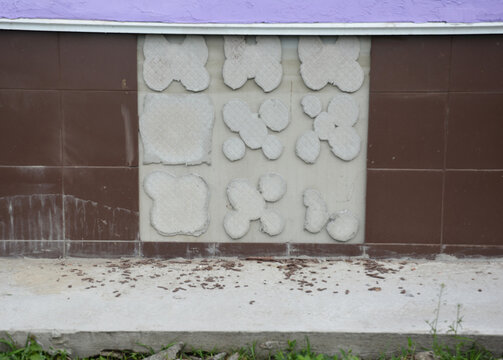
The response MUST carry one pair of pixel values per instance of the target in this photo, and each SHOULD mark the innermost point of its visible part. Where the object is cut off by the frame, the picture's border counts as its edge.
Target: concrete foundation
(88, 305)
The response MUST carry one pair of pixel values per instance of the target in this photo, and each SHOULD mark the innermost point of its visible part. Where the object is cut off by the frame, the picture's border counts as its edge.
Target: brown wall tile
(101, 203)
(406, 131)
(325, 250)
(384, 251)
(107, 249)
(242, 250)
(466, 251)
(98, 61)
(30, 127)
(403, 207)
(475, 127)
(100, 128)
(477, 63)
(171, 250)
(30, 203)
(410, 63)
(473, 208)
(32, 249)
(29, 60)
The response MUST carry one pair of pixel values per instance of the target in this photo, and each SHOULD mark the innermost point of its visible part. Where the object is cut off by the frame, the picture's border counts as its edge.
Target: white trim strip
(253, 29)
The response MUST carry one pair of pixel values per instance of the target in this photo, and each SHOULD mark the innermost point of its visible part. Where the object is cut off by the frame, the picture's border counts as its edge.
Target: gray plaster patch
(180, 204)
(166, 61)
(252, 128)
(234, 148)
(249, 204)
(308, 147)
(244, 61)
(272, 187)
(334, 63)
(342, 226)
(316, 211)
(334, 125)
(177, 129)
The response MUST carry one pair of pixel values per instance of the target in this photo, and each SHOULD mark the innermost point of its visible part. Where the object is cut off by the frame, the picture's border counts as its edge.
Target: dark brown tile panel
(105, 249)
(406, 131)
(325, 250)
(382, 251)
(466, 251)
(32, 249)
(410, 63)
(100, 128)
(473, 208)
(475, 129)
(403, 207)
(28, 60)
(98, 61)
(101, 203)
(30, 127)
(171, 250)
(242, 250)
(30, 203)
(477, 63)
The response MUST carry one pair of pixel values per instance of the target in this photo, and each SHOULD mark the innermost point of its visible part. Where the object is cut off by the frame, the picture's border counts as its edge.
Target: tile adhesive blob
(166, 61)
(249, 204)
(252, 128)
(177, 129)
(180, 204)
(244, 61)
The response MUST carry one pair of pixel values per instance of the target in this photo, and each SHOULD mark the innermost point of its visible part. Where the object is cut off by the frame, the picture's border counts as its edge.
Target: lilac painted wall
(256, 11)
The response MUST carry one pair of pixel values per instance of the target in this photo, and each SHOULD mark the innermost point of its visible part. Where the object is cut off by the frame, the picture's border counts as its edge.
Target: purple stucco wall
(258, 11)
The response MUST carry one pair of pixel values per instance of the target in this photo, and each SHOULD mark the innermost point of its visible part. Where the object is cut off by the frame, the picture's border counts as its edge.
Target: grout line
(70, 90)
(434, 92)
(71, 166)
(404, 169)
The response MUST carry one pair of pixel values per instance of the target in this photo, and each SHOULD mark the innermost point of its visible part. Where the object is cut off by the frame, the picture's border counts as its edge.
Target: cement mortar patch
(341, 183)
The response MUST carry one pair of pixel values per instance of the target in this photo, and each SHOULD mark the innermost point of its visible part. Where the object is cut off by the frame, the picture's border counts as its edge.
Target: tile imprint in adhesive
(177, 129)
(249, 204)
(334, 63)
(334, 125)
(252, 128)
(341, 226)
(244, 61)
(166, 61)
(180, 204)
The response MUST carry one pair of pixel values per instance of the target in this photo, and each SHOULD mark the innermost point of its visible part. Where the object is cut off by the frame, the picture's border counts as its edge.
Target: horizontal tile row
(38, 203)
(423, 207)
(76, 128)
(79, 61)
(419, 130)
(166, 250)
(437, 63)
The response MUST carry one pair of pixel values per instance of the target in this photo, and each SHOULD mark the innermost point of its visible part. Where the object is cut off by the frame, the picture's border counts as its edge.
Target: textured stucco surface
(259, 11)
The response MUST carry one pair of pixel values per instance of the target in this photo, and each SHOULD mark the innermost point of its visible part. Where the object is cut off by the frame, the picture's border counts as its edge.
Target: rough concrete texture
(260, 60)
(177, 129)
(180, 204)
(368, 306)
(331, 63)
(167, 61)
(341, 183)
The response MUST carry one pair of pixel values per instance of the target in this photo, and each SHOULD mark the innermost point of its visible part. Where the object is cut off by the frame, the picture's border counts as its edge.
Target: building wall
(69, 183)
(260, 11)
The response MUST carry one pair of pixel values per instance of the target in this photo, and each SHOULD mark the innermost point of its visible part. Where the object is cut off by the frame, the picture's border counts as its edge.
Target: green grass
(464, 349)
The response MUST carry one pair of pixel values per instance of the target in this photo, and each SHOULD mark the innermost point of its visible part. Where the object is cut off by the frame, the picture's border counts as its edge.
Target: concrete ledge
(368, 306)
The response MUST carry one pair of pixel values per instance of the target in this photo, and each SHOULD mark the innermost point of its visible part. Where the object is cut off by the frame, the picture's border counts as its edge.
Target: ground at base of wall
(88, 305)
